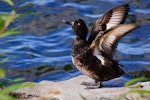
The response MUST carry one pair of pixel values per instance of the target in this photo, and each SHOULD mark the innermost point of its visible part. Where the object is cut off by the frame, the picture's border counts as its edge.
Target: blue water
(45, 41)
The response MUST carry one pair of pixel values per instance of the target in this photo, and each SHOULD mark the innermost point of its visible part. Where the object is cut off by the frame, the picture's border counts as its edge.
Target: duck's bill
(67, 22)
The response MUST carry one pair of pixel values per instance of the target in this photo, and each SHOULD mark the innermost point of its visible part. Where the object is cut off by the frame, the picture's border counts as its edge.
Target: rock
(72, 90)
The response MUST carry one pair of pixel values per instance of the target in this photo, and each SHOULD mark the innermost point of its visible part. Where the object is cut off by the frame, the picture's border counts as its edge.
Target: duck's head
(79, 28)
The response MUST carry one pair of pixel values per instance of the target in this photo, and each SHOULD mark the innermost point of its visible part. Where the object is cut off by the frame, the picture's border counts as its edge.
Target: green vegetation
(133, 89)
(68, 67)
(135, 80)
(13, 85)
(2, 73)
(5, 20)
(136, 89)
(44, 69)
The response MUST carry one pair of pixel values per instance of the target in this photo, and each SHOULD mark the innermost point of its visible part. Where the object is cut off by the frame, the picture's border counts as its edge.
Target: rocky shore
(72, 90)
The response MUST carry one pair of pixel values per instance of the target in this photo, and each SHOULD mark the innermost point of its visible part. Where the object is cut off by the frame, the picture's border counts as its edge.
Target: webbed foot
(90, 85)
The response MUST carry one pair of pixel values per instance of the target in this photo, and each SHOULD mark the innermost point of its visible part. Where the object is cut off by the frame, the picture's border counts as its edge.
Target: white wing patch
(98, 55)
(109, 40)
(115, 19)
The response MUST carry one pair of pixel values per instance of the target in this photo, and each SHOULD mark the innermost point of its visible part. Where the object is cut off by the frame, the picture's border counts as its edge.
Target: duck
(94, 56)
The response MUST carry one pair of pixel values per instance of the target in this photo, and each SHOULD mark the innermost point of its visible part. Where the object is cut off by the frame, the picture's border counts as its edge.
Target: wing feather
(109, 41)
(112, 18)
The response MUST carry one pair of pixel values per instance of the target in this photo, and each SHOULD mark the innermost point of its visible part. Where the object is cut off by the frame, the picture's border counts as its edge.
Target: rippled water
(44, 47)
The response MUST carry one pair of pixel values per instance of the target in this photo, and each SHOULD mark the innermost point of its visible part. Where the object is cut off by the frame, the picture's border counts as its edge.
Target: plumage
(111, 19)
(94, 57)
(109, 41)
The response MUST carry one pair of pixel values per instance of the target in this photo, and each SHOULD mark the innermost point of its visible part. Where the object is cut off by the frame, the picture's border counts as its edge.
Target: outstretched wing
(112, 18)
(107, 43)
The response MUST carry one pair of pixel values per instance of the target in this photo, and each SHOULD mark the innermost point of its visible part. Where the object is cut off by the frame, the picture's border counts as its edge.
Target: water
(44, 47)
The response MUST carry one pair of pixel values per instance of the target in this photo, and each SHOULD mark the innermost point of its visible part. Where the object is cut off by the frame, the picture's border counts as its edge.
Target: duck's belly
(101, 73)
(84, 69)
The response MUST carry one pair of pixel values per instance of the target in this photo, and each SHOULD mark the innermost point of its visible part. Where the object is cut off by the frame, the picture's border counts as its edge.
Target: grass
(142, 93)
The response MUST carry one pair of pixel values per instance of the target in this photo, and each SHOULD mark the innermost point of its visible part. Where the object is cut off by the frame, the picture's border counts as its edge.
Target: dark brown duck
(95, 57)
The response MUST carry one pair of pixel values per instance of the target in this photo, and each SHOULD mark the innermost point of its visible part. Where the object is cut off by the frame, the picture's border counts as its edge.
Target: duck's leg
(95, 85)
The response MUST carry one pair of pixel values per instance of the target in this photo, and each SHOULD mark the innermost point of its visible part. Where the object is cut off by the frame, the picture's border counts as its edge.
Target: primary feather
(107, 43)
(111, 19)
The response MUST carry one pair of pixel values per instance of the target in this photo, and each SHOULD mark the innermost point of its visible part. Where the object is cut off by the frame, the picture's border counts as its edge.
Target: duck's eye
(79, 24)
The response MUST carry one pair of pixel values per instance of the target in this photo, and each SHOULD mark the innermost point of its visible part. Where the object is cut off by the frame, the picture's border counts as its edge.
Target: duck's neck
(78, 46)
(79, 41)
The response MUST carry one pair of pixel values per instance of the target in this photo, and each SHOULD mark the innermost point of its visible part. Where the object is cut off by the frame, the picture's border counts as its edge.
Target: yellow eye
(79, 24)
